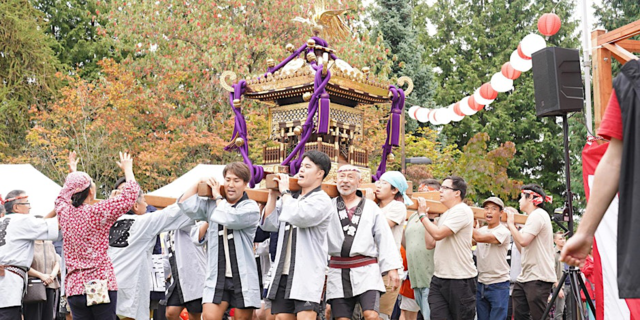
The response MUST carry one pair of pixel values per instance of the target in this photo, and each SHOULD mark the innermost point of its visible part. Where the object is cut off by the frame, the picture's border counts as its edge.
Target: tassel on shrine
(394, 129)
(323, 113)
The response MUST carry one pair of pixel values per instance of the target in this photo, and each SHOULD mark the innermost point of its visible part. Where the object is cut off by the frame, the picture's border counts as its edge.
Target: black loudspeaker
(557, 81)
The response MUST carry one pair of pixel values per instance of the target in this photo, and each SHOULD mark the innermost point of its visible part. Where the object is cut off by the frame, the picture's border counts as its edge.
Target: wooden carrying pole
(261, 195)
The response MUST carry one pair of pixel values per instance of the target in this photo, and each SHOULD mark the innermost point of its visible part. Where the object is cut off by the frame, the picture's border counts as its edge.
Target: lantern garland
(502, 81)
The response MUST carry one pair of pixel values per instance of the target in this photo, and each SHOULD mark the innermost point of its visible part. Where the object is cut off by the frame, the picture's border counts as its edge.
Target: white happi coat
(17, 233)
(373, 238)
(308, 217)
(188, 260)
(242, 219)
(131, 241)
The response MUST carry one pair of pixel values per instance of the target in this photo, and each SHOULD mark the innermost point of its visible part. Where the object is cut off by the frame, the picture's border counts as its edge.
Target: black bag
(36, 291)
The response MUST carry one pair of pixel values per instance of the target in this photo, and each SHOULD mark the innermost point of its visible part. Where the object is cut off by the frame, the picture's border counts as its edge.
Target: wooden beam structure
(261, 196)
(605, 46)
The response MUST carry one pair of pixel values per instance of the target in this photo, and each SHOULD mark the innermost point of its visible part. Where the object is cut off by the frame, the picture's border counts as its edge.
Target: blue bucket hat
(398, 181)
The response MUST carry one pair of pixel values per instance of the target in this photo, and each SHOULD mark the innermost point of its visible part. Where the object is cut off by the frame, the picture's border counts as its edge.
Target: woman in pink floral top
(85, 230)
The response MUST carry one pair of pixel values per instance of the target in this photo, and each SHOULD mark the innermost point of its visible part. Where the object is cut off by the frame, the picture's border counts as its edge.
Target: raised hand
(126, 164)
(422, 205)
(73, 162)
(370, 194)
(283, 182)
(511, 212)
(214, 185)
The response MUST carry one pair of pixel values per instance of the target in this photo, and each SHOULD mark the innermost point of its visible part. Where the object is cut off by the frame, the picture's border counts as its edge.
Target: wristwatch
(285, 192)
(218, 198)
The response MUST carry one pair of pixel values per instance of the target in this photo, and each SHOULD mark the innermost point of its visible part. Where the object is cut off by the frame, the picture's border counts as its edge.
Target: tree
(471, 42)
(203, 39)
(613, 14)
(394, 22)
(27, 69)
(118, 113)
(163, 101)
(74, 24)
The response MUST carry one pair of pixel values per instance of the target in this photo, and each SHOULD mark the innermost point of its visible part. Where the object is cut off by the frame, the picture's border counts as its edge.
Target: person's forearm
(269, 206)
(517, 236)
(50, 214)
(605, 187)
(34, 273)
(128, 175)
(56, 269)
(432, 229)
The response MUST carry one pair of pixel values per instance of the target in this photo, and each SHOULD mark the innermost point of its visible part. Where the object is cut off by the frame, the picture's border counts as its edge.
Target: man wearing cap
(391, 191)
(361, 247)
(492, 297)
(535, 242)
(452, 293)
(18, 231)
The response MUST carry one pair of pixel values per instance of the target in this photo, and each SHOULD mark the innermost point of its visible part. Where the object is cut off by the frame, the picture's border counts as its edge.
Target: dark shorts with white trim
(235, 300)
(282, 305)
(343, 307)
(193, 306)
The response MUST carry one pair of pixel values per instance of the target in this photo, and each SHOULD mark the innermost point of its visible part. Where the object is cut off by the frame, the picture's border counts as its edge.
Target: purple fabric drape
(240, 131)
(393, 129)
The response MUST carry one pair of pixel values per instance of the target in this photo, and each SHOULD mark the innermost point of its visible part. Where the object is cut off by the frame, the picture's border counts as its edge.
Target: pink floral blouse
(85, 231)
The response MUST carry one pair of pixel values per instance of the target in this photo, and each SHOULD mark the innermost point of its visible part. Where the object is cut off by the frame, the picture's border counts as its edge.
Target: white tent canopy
(41, 190)
(178, 186)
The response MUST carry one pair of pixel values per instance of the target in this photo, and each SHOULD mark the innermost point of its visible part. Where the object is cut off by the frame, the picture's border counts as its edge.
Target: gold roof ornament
(326, 23)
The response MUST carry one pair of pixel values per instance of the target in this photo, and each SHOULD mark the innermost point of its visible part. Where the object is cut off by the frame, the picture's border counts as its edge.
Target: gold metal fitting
(311, 56)
(290, 47)
(236, 103)
(306, 96)
(239, 142)
(311, 43)
(271, 63)
(297, 130)
(390, 156)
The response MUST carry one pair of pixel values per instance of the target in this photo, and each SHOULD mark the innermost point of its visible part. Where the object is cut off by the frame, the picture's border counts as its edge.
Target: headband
(348, 168)
(11, 199)
(537, 198)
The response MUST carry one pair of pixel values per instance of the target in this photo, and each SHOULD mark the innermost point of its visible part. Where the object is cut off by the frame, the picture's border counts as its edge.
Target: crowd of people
(300, 255)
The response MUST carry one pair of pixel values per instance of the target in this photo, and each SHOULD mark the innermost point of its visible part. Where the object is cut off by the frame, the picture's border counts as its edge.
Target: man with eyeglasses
(452, 293)
(18, 231)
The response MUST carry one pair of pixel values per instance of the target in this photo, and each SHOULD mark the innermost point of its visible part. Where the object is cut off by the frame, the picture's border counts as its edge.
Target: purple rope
(240, 130)
(285, 61)
(393, 129)
(319, 85)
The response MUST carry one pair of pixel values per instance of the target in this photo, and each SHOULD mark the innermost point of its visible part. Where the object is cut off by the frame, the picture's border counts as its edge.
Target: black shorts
(229, 295)
(282, 305)
(193, 306)
(343, 307)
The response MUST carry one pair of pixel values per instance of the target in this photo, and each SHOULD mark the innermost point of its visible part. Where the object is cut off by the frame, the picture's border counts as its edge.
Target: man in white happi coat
(188, 261)
(232, 275)
(302, 223)
(18, 231)
(362, 248)
(131, 241)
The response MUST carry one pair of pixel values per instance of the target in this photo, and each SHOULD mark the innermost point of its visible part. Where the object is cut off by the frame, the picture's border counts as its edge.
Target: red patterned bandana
(537, 199)
(11, 199)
